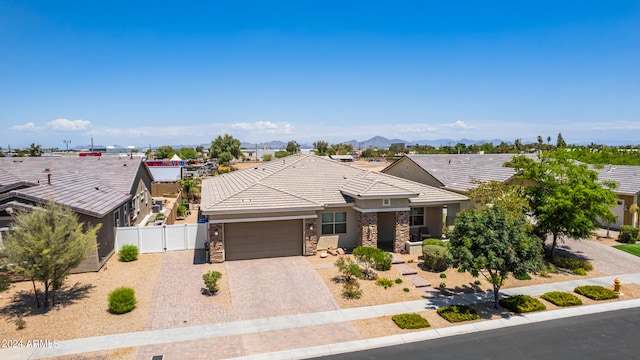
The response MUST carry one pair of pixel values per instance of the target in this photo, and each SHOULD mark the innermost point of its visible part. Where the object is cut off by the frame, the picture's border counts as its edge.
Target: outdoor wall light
(310, 227)
(215, 232)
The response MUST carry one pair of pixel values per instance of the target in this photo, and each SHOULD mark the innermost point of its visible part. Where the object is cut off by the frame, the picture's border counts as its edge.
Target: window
(116, 218)
(334, 223)
(386, 202)
(417, 216)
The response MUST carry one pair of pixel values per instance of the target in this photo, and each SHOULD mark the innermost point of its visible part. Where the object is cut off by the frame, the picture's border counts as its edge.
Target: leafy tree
(225, 148)
(340, 149)
(495, 193)
(548, 140)
(189, 186)
(187, 153)
(165, 152)
(46, 244)
(321, 147)
(281, 153)
(494, 244)
(293, 147)
(564, 196)
(35, 150)
(560, 142)
(199, 149)
(2, 152)
(267, 157)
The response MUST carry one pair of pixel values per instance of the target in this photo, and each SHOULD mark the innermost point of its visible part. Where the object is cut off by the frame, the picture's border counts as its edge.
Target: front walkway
(260, 338)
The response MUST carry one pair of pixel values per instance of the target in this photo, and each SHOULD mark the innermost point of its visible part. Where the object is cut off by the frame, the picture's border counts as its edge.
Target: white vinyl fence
(152, 239)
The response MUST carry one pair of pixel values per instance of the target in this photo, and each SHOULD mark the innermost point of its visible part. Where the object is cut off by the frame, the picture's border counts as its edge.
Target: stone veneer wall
(368, 229)
(217, 245)
(402, 233)
(310, 237)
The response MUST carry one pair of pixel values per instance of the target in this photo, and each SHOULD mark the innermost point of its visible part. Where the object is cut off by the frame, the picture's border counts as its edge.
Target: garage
(262, 239)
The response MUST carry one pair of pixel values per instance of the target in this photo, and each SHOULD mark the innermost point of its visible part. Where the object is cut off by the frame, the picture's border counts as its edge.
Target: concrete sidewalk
(218, 330)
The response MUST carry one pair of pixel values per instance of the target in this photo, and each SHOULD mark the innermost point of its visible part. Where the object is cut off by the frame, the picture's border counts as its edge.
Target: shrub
(128, 253)
(443, 285)
(547, 269)
(181, 210)
(628, 234)
(432, 241)
(4, 282)
(560, 298)
(579, 271)
(122, 300)
(211, 281)
(596, 292)
(348, 268)
(435, 258)
(405, 289)
(458, 313)
(571, 263)
(524, 276)
(410, 321)
(382, 261)
(398, 281)
(20, 323)
(384, 282)
(477, 282)
(351, 289)
(443, 276)
(522, 304)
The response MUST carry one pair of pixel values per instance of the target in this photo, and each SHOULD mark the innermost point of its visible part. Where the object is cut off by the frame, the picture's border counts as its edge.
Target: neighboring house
(628, 179)
(112, 191)
(287, 206)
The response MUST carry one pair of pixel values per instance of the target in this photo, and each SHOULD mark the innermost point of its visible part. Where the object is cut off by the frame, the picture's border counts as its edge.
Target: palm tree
(633, 210)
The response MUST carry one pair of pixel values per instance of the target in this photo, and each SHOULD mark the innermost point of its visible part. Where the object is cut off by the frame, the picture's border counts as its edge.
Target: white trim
(386, 202)
(273, 218)
(260, 211)
(387, 209)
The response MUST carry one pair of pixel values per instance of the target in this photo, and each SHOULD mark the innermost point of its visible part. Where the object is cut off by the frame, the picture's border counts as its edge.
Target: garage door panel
(263, 239)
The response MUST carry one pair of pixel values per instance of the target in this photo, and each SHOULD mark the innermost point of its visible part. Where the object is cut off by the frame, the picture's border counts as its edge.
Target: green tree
(293, 147)
(187, 153)
(199, 149)
(494, 244)
(321, 147)
(565, 197)
(495, 193)
(281, 153)
(560, 141)
(340, 149)
(46, 244)
(165, 152)
(225, 148)
(2, 152)
(35, 150)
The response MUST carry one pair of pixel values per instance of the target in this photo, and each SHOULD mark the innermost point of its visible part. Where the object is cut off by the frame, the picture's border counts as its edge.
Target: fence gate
(153, 239)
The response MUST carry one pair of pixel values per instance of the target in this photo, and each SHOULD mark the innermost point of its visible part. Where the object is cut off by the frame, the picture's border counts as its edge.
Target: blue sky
(184, 72)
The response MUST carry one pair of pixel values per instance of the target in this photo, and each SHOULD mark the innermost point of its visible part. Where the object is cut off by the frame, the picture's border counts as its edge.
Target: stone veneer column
(310, 236)
(368, 229)
(402, 233)
(217, 244)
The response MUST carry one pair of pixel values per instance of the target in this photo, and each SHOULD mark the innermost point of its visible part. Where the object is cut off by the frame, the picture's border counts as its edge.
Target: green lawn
(630, 248)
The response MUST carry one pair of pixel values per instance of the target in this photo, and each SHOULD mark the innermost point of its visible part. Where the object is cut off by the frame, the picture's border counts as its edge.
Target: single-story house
(298, 204)
(108, 190)
(628, 179)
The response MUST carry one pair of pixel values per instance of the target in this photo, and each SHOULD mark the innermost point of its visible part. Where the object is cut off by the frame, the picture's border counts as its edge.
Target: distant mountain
(375, 142)
(443, 142)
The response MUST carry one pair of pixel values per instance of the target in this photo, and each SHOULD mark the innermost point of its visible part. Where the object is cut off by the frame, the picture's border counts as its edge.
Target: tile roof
(627, 177)
(308, 182)
(457, 171)
(91, 185)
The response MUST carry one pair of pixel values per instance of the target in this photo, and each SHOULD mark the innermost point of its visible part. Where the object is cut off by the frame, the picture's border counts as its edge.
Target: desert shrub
(4, 282)
(181, 210)
(571, 263)
(128, 253)
(382, 261)
(435, 258)
(443, 285)
(628, 234)
(443, 276)
(405, 289)
(547, 269)
(20, 323)
(433, 241)
(458, 313)
(211, 281)
(384, 282)
(398, 281)
(372, 257)
(348, 268)
(579, 271)
(477, 282)
(560, 298)
(524, 276)
(522, 304)
(596, 292)
(351, 289)
(122, 300)
(410, 321)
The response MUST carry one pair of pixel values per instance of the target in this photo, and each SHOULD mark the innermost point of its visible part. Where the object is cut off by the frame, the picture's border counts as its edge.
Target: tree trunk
(46, 294)
(35, 292)
(53, 289)
(553, 246)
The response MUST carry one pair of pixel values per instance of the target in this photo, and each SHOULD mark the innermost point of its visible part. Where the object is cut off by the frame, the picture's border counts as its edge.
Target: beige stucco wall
(407, 169)
(377, 204)
(350, 239)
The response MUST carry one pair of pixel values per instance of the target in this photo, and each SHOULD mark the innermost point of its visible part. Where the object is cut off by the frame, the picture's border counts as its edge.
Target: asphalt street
(608, 335)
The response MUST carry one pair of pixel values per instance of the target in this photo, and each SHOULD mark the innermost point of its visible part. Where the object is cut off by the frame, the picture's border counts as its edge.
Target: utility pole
(67, 142)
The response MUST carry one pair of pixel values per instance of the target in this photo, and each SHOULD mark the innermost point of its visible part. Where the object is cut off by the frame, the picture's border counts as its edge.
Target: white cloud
(69, 125)
(30, 126)
(461, 125)
(264, 127)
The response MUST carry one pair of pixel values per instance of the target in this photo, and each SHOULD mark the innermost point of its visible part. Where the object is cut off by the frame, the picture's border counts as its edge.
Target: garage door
(263, 239)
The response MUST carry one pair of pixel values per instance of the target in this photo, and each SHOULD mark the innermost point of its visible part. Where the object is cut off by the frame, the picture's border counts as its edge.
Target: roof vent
(124, 164)
(97, 188)
(49, 178)
(47, 170)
